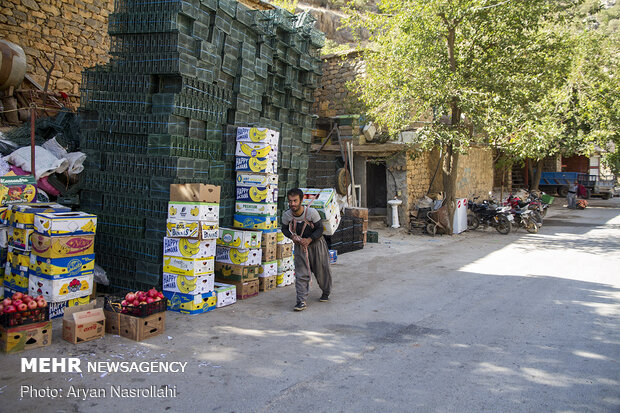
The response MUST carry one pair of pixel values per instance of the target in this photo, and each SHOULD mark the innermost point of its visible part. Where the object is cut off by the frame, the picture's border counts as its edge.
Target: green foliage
(290, 5)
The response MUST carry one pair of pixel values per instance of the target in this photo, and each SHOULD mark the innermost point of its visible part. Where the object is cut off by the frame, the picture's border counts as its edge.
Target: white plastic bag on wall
(45, 162)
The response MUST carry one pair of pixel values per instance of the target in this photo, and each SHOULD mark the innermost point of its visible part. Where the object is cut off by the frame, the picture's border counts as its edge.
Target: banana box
(231, 272)
(5, 234)
(17, 258)
(318, 198)
(270, 238)
(191, 304)
(20, 238)
(16, 280)
(237, 238)
(226, 294)
(257, 194)
(267, 283)
(268, 269)
(246, 289)
(263, 135)
(286, 264)
(328, 211)
(255, 222)
(188, 211)
(62, 247)
(284, 251)
(283, 239)
(188, 266)
(252, 179)
(238, 256)
(268, 252)
(261, 165)
(331, 225)
(61, 290)
(192, 229)
(257, 150)
(55, 224)
(25, 337)
(61, 268)
(22, 215)
(3, 211)
(200, 284)
(58, 309)
(189, 248)
(195, 193)
(286, 278)
(251, 208)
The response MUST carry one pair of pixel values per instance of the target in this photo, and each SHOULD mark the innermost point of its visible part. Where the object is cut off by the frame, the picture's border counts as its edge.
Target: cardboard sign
(55, 224)
(252, 179)
(26, 337)
(195, 193)
(226, 294)
(263, 135)
(237, 238)
(189, 248)
(231, 272)
(62, 247)
(238, 256)
(193, 211)
(83, 323)
(200, 284)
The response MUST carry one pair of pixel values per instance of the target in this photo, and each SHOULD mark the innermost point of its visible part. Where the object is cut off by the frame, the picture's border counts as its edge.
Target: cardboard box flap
(72, 313)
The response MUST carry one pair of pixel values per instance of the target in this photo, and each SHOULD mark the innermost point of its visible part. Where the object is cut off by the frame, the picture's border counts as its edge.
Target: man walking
(303, 225)
(571, 197)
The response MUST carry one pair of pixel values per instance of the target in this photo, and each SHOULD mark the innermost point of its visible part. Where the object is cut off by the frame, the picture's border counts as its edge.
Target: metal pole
(33, 118)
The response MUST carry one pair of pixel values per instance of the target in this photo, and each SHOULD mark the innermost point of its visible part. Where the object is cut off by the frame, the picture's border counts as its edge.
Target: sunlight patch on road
(588, 355)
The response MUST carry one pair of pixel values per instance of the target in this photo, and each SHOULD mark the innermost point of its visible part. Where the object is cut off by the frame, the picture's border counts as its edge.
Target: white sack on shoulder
(45, 162)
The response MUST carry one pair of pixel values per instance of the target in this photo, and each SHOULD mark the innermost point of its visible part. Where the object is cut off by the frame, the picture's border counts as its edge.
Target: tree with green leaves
(455, 64)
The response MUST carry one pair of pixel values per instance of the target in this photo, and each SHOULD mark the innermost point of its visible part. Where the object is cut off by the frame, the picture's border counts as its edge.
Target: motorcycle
(532, 204)
(488, 214)
(523, 218)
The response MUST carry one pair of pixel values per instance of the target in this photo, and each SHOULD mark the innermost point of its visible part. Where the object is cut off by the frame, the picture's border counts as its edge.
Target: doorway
(376, 187)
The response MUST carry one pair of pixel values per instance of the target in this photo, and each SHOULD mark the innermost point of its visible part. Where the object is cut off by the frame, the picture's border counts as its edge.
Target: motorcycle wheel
(537, 218)
(503, 225)
(544, 212)
(531, 226)
(472, 222)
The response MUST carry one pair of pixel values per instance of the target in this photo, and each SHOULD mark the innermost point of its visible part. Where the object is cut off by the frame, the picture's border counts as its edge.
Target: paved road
(474, 323)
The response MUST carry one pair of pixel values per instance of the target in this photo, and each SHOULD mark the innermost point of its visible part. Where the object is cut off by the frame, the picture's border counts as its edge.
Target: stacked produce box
(238, 260)
(192, 229)
(323, 201)
(285, 261)
(62, 258)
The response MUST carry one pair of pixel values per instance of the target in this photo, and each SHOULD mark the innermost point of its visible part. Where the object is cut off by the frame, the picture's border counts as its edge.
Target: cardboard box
(268, 269)
(283, 239)
(284, 251)
(253, 222)
(269, 238)
(286, 278)
(226, 294)
(20, 238)
(26, 337)
(22, 215)
(286, 264)
(56, 224)
(269, 252)
(83, 323)
(191, 304)
(17, 189)
(112, 322)
(189, 248)
(192, 211)
(251, 208)
(17, 258)
(16, 280)
(200, 284)
(236, 238)
(62, 247)
(246, 289)
(318, 198)
(58, 309)
(328, 211)
(60, 268)
(257, 194)
(142, 328)
(195, 193)
(257, 150)
(264, 135)
(191, 229)
(231, 272)
(267, 283)
(238, 256)
(331, 225)
(259, 165)
(252, 179)
(188, 266)
(60, 290)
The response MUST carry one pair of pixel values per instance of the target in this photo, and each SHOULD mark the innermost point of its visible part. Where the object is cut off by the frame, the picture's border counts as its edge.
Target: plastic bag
(100, 276)
(45, 162)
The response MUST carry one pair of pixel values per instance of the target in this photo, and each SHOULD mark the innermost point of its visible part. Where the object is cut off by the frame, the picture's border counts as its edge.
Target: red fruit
(136, 303)
(7, 302)
(160, 295)
(17, 303)
(26, 299)
(1, 308)
(40, 298)
(130, 297)
(124, 302)
(22, 307)
(32, 305)
(17, 296)
(152, 293)
(41, 303)
(9, 309)
(149, 300)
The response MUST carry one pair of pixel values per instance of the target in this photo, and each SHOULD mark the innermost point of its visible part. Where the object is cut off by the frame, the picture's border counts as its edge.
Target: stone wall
(333, 97)
(75, 29)
(475, 173)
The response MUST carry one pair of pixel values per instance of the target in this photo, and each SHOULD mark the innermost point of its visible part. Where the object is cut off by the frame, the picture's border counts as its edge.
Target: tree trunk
(536, 175)
(449, 169)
